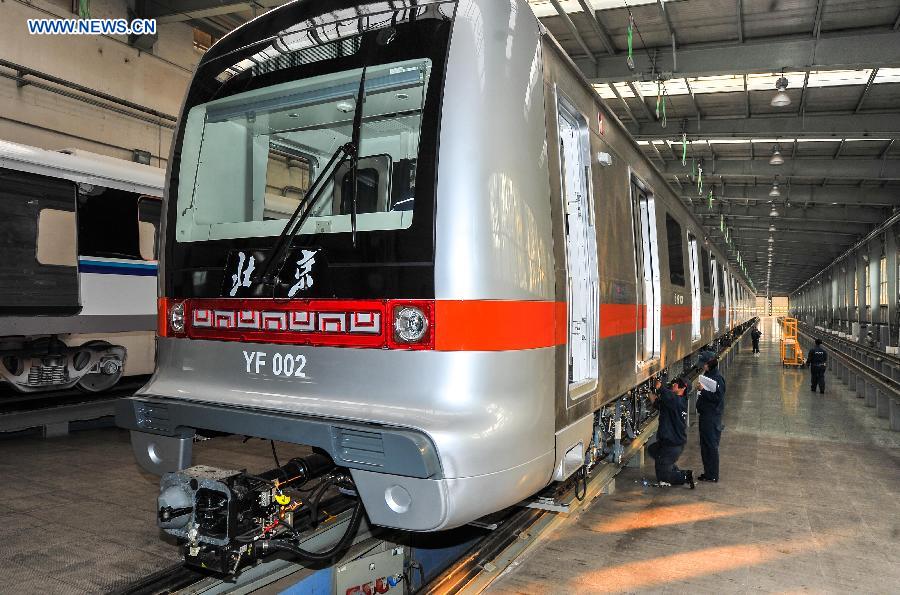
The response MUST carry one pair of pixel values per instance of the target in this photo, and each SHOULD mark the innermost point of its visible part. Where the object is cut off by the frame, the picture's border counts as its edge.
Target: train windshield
(268, 111)
(256, 153)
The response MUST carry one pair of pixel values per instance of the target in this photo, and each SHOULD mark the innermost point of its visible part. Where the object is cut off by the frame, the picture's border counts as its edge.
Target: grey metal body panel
(493, 239)
(467, 403)
(386, 449)
(615, 242)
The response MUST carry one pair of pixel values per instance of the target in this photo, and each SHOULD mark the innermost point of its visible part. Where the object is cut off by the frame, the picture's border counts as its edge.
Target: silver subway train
(78, 270)
(411, 236)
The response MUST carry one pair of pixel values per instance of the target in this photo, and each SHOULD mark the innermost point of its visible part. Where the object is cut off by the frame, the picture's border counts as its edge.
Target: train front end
(356, 260)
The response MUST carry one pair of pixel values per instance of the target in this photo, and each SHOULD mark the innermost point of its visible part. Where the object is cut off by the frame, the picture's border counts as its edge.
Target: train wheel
(100, 381)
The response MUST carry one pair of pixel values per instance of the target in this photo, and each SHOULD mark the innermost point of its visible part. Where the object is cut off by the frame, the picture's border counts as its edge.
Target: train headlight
(176, 317)
(410, 324)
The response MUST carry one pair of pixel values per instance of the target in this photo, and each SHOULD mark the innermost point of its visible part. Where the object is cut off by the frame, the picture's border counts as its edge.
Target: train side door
(646, 256)
(715, 291)
(694, 263)
(582, 273)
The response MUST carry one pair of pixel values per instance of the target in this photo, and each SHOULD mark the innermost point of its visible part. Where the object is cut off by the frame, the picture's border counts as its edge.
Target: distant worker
(817, 360)
(870, 340)
(755, 334)
(671, 435)
(710, 407)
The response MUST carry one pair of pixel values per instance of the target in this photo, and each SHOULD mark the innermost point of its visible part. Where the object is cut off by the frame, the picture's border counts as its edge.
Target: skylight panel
(544, 8)
(835, 78)
(887, 75)
(604, 91)
(717, 84)
(766, 81)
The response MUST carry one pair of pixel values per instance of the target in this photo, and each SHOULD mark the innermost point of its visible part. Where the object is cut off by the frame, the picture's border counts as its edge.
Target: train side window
(149, 214)
(647, 271)
(107, 223)
(704, 261)
(694, 261)
(676, 251)
(715, 292)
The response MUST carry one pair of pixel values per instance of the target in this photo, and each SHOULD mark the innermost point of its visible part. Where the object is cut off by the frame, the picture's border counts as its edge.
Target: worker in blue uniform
(817, 360)
(671, 435)
(755, 334)
(710, 407)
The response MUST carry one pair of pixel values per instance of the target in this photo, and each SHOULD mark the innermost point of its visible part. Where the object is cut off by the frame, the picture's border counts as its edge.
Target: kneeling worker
(672, 433)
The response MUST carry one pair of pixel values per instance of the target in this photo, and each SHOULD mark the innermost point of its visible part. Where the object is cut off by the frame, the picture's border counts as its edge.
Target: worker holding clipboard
(710, 407)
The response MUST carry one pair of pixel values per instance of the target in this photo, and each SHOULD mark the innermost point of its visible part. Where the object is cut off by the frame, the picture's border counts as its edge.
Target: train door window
(676, 251)
(647, 263)
(581, 249)
(715, 291)
(107, 223)
(694, 264)
(883, 282)
(149, 213)
(704, 266)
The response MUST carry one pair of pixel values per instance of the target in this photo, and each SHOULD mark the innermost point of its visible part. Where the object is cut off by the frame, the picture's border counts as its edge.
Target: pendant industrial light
(776, 158)
(771, 240)
(771, 228)
(781, 99)
(773, 212)
(775, 191)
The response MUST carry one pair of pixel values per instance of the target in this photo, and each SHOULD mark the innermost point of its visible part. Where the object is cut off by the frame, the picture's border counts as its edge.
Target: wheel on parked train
(111, 372)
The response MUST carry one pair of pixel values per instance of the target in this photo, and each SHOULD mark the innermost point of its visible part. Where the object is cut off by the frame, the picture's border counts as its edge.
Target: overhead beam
(624, 103)
(598, 27)
(851, 196)
(833, 169)
(574, 30)
(870, 47)
(865, 92)
(739, 17)
(637, 93)
(816, 125)
(789, 215)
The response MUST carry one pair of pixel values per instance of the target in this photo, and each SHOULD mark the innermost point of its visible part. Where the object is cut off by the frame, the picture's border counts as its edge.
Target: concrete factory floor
(808, 501)
(77, 515)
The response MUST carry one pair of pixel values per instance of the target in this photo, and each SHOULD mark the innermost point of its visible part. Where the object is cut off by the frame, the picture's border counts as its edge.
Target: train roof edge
(83, 166)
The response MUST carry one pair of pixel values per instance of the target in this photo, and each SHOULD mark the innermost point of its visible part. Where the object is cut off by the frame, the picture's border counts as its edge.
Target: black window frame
(676, 256)
(705, 265)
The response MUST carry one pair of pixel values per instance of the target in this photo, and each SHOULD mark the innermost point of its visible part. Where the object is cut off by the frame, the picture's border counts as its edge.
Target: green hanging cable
(700, 180)
(84, 9)
(710, 201)
(630, 59)
(721, 222)
(693, 168)
(683, 149)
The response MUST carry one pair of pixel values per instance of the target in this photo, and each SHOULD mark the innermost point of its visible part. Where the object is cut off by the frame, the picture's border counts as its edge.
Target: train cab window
(715, 292)
(676, 252)
(647, 265)
(255, 154)
(108, 223)
(694, 262)
(704, 266)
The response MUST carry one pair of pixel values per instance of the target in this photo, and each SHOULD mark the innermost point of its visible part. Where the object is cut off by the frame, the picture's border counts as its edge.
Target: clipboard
(708, 384)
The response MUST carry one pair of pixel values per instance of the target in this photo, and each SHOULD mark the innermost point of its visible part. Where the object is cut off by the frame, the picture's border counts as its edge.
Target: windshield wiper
(302, 213)
(355, 140)
(312, 196)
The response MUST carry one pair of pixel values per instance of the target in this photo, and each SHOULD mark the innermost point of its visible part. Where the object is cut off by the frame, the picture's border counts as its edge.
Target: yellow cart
(791, 352)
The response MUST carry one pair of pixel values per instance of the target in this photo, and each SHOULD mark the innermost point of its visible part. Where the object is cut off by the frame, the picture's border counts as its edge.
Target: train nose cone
(397, 499)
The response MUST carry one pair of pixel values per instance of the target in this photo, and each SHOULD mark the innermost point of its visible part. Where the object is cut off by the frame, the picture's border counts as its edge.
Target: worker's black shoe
(705, 477)
(689, 476)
